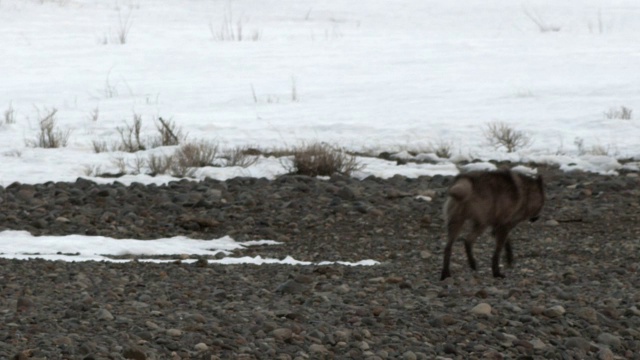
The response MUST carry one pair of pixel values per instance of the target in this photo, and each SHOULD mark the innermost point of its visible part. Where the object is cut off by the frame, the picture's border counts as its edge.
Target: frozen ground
(369, 76)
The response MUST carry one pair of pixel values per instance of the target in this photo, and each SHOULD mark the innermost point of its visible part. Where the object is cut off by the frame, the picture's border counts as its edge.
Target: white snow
(369, 76)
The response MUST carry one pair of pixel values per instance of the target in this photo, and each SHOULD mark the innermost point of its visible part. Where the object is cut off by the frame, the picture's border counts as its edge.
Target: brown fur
(496, 199)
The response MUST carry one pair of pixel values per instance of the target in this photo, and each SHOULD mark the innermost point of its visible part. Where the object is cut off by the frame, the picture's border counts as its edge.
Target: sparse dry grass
(50, 136)
(130, 135)
(443, 149)
(542, 25)
(320, 159)
(159, 164)
(10, 115)
(243, 156)
(99, 146)
(169, 133)
(232, 30)
(597, 149)
(197, 154)
(124, 27)
(622, 113)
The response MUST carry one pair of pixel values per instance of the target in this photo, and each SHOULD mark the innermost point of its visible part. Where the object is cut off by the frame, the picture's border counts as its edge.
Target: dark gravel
(573, 293)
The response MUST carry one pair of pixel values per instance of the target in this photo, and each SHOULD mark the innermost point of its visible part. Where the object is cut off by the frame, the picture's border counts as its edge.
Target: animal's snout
(534, 219)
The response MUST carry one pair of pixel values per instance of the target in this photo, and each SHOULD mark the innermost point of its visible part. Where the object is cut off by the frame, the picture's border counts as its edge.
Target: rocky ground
(573, 293)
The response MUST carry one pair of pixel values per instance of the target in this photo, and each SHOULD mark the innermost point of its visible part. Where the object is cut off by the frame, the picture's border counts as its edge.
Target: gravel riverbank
(573, 293)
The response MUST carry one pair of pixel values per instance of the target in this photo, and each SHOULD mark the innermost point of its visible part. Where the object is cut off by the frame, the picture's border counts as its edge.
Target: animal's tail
(458, 193)
(461, 189)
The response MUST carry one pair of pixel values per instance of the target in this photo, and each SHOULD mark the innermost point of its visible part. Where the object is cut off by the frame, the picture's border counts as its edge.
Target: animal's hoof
(499, 275)
(444, 276)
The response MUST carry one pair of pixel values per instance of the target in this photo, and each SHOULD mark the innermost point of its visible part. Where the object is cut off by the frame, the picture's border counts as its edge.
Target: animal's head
(535, 197)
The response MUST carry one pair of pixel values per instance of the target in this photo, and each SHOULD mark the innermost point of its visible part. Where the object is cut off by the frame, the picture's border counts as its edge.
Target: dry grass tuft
(50, 136)
(320, 159)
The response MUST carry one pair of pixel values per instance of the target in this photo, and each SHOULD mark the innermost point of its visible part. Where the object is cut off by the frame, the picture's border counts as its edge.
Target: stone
(554, 311)
(481, 309)
(200, 347)
(104, 314)
(605, 354)
(577, 343)
(609, 340)
(589, 314)
(282, 334)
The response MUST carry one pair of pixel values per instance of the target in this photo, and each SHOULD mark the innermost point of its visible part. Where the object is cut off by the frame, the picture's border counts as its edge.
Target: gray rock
(577, 343)
(609, 340)
(554, 311)
(104, 314)
(481, 309)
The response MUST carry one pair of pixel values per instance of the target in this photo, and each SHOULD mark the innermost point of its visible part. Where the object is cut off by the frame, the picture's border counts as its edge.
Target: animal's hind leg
(508, 252)
(453, 230)
(470, 240)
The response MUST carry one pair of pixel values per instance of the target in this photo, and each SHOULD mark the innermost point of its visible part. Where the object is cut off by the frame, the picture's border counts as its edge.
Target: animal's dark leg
(501, 232)
(469, 241)
(453, 230)
(508, 252)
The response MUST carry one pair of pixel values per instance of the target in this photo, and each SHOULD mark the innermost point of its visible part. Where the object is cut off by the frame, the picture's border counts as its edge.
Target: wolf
(498, 199)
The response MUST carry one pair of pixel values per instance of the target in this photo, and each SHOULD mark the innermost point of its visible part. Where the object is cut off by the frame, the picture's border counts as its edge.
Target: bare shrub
(320, 159)
(243, 156)
(92, 170)
(622, 113)
(10, 115)
(442, 149)
(137, 165)
(232, 30)
(121, 164)
(99, 146)
(110, 90)
(591, 150)
(159, 164)
(181, 170)
(13, 153)
(130, 135)
(50, 136)
(277, 152)
(543, 26)
(197, 154)
(294, 90)
(500, 134)
(94, 114)
(169, 134)
(124, 26)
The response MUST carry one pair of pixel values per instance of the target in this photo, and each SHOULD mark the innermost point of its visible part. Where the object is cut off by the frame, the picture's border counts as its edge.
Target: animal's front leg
(500, 233)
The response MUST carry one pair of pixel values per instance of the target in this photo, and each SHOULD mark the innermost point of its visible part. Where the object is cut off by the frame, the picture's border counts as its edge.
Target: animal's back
(484, 197)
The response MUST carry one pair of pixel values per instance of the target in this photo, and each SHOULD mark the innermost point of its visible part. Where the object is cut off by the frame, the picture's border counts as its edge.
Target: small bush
(442, 149)
(124, 26)
(160, 164)
(94, 115)
(597, 149)
(320, 159)
(50, 136)
(543, 26)
(169, 134)
(197, 154)
(622, 113)
(99, 146)
(500, 134)
(10, 115)
(243, 156)
(130, 135)
(232, 30)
